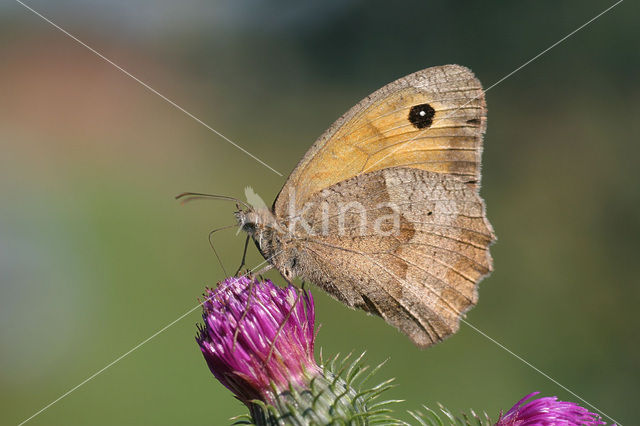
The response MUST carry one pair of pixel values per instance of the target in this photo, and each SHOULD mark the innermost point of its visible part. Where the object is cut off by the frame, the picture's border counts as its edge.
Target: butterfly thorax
(271, 238)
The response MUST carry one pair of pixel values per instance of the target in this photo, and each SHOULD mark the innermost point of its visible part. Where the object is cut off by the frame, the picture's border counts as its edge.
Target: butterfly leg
(244, 255)
(261, 271)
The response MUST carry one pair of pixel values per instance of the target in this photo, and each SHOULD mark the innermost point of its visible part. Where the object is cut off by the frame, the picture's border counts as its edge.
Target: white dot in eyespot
(422, 113)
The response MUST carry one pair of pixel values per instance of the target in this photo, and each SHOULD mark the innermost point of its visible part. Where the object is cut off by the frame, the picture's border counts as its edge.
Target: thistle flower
(258, 341)
(548, 411)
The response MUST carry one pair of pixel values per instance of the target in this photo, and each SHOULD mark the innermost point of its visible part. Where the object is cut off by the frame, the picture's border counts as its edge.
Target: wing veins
(464, 106)
(367, 255)
(429, 329)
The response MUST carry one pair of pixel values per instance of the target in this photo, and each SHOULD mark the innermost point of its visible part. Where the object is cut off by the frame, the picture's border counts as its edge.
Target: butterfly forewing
(430, 120)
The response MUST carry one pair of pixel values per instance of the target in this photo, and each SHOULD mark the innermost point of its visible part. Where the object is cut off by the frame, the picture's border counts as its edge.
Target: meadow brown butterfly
(384, 213)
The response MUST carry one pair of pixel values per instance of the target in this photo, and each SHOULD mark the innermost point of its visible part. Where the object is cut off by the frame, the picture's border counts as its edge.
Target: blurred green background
(96, 256)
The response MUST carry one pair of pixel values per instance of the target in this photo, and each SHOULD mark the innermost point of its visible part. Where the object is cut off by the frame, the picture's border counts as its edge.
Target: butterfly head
(271, 239)
(254, 222)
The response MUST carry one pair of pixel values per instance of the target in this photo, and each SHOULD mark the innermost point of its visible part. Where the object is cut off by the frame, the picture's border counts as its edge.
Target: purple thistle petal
(267, 319)
(548, 411)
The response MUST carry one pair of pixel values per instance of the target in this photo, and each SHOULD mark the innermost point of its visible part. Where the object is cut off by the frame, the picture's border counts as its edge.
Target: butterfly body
(384, 211)
(272, 240)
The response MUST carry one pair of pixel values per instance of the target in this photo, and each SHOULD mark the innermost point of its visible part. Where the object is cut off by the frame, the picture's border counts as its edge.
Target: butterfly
(383, 212)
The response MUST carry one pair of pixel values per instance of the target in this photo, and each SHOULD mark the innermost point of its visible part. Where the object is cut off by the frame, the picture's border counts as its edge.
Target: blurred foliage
(96, 256)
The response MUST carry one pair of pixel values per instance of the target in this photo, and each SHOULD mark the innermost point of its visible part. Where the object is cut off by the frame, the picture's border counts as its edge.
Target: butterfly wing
(417, 144)
(412, 249)
(431, 120)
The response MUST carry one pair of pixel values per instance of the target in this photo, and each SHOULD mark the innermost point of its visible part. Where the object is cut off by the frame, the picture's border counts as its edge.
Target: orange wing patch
(431, 120)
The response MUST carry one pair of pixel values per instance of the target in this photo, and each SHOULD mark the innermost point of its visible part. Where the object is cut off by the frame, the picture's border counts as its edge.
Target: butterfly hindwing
(412, 250)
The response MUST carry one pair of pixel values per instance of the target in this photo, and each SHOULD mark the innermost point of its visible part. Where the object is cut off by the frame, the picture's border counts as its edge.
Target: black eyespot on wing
(421, 116)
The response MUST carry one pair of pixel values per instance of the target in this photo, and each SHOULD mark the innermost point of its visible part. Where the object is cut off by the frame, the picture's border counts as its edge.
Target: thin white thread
(519, 358)
(124, 355)
(146, 86)
(499, 81)
(266, 165)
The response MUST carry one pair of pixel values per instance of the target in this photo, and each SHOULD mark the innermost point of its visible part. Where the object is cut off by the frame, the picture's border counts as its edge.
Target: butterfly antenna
(214, 248)
(187, 197)
(244, 255)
